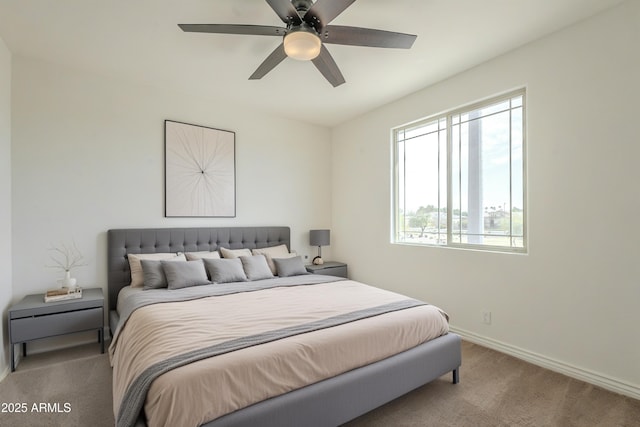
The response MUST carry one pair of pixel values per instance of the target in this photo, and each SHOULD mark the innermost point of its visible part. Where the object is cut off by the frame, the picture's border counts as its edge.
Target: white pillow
(234, 253)
(137, 276)
(194, 256)
(272, 252)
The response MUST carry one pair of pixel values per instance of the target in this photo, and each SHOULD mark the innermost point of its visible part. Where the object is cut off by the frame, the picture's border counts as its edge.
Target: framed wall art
(200, 176)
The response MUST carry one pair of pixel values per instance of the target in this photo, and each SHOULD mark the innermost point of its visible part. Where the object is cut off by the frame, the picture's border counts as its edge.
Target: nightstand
(32, 318)
(330, 268)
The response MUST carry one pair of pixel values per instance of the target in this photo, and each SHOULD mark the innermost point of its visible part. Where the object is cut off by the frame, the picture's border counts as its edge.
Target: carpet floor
(73, 388)
(70, 387)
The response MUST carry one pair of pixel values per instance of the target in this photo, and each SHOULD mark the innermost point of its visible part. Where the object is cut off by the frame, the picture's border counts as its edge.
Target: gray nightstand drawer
(31, 328)
(329, 268)
(334, 271)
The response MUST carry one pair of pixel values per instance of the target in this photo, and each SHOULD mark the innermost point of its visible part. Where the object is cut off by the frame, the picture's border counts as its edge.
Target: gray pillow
(290, 266)
(182, 274)
(153, 274)
(225, 270)
(256, 267)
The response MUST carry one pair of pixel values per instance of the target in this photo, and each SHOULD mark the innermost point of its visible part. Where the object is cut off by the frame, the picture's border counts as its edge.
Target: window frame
(447, 116)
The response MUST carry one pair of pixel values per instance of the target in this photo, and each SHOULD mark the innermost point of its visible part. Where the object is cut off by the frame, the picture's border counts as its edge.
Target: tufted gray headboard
(150, 240)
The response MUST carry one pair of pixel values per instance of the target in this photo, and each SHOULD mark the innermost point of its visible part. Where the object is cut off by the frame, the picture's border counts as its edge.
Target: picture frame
(200, 176)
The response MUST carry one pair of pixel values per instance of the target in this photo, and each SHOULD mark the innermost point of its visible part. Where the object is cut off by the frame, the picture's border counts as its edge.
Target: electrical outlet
(486, 317)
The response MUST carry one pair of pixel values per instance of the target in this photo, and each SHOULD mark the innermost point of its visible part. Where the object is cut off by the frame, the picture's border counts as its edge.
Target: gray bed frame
(327, 403)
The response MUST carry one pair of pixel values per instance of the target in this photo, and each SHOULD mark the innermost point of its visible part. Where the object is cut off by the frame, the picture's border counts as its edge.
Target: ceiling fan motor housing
(303, 6)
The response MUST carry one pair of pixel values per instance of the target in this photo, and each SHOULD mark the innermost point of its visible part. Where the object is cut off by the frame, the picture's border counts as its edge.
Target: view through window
(459, 178)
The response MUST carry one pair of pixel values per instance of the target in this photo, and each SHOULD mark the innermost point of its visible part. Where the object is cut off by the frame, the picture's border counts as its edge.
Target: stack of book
(61, 294)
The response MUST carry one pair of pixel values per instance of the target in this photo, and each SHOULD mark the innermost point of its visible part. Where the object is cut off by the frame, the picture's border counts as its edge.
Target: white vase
(68, 281)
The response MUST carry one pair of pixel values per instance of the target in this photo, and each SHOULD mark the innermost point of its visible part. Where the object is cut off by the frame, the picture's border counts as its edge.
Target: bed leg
(456, 376)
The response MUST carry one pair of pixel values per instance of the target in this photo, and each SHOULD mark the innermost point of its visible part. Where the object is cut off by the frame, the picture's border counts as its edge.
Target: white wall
(88, 155)
(571, 303)
(5, 199)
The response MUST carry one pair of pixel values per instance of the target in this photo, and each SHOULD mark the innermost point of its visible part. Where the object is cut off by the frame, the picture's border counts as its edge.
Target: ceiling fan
(306, 33)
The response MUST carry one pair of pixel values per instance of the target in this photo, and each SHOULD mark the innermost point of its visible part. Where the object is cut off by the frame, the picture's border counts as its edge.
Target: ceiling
(140, 41)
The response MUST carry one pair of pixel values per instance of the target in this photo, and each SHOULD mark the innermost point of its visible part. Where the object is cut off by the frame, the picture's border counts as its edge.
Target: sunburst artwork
(199, 171)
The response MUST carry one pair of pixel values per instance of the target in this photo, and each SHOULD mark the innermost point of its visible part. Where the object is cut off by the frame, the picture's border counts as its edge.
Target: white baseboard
(585, 375)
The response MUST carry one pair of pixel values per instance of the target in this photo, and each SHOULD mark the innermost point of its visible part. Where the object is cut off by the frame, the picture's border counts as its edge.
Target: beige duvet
(202, 391)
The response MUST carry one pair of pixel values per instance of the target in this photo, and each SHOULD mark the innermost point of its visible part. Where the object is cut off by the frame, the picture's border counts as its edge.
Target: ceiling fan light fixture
(302, 45)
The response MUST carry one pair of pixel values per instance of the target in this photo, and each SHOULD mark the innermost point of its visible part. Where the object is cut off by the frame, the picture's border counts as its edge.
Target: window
(459, 178)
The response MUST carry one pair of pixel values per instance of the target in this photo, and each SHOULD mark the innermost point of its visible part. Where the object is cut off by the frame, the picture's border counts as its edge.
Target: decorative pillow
(137, 276)
(153, 274)
(192, 256)
(290, 266)
(184, 274)
(225, 270)
(256, 267)
(234, 253)
(271, 252)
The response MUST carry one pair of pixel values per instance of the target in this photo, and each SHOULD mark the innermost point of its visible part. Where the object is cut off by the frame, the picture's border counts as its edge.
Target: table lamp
(319, 238)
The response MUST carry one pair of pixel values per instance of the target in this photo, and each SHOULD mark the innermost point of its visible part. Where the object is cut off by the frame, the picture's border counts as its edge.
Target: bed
(349, 390)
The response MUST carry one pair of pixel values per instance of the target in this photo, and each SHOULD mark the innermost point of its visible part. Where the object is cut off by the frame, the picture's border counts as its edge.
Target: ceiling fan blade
(328, 67)
(253, 30)
(355, 36)
(276, 57)
(286, 11)
(324, 11)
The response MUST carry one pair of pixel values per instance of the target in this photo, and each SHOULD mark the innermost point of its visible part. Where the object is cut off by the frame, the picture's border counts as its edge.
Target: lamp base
(317, 261)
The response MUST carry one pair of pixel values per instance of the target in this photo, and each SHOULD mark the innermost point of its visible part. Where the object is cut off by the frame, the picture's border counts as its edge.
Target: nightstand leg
(13, 358)
(24, 349)
(101, 340)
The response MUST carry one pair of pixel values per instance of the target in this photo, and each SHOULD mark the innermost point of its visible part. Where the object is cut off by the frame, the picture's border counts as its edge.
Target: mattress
(217, 349)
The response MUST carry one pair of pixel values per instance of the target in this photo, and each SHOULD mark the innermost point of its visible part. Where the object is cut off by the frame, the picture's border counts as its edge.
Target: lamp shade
(302, 45)
(319, 237)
